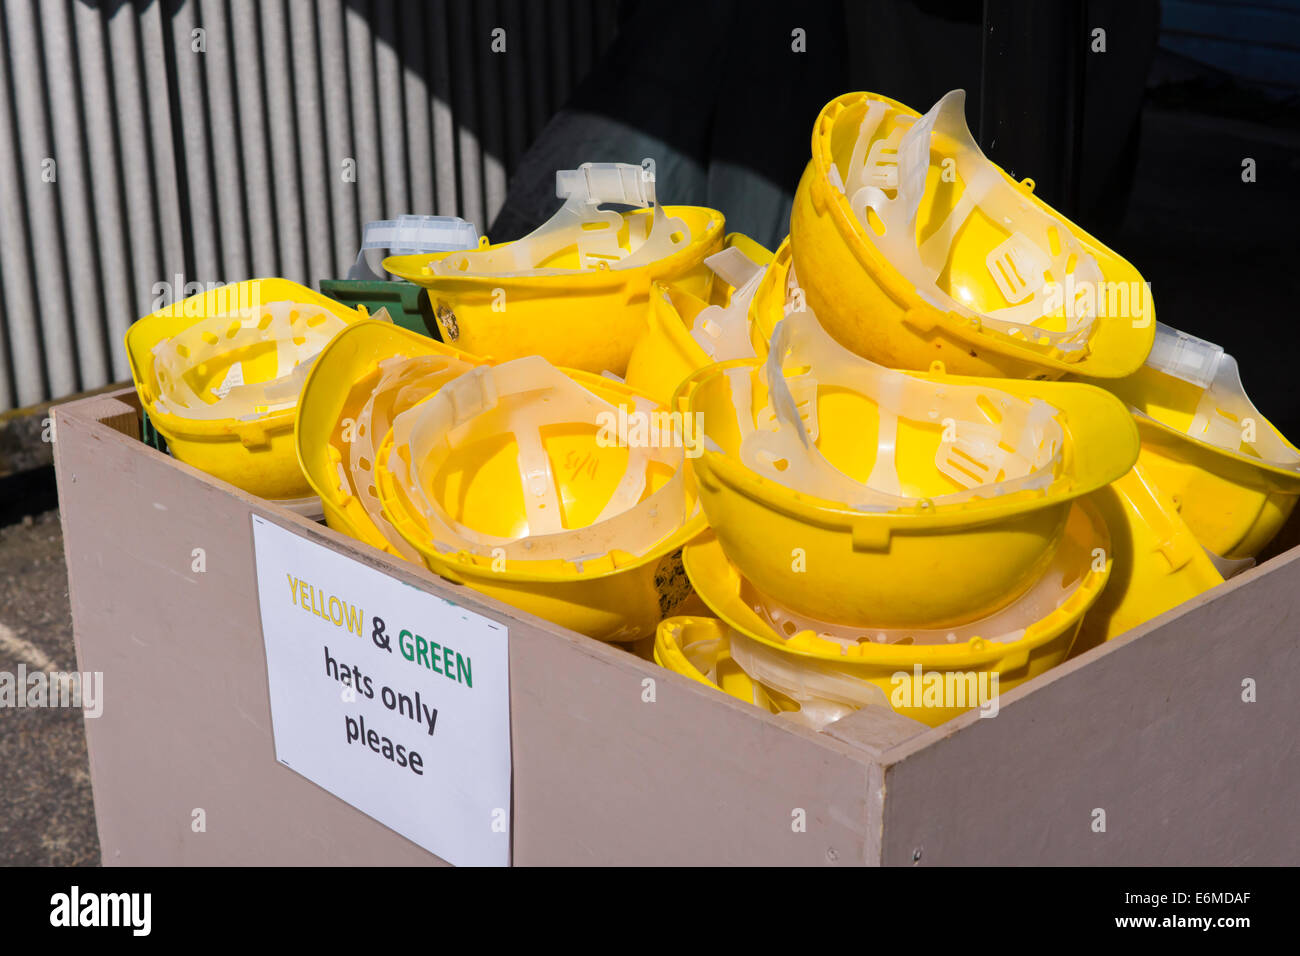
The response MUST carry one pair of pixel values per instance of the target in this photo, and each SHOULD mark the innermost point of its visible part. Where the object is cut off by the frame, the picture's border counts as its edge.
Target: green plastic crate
(406, 302)
(150, 435)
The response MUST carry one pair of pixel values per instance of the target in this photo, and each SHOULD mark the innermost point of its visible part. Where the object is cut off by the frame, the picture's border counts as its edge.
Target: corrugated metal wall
(135, 151)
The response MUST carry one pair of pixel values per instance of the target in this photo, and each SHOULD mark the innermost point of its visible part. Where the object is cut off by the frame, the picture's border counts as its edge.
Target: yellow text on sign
(328, 606)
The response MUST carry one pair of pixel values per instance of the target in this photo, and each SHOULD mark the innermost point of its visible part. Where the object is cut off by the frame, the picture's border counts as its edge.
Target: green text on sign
(438, 658)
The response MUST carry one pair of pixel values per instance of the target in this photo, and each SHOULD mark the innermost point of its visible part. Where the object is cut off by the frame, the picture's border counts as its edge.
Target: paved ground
(46, 813)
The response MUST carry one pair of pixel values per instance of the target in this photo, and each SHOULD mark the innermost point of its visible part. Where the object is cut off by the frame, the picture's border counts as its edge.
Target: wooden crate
(1151, 728)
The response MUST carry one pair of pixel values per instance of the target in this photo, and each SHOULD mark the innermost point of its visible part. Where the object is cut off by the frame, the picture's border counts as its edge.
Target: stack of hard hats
(519, 479)
(498, 459)
(905, 459)
(574, 290)
(912, 247)
(867, 521)
(873, 531)
(219, 376)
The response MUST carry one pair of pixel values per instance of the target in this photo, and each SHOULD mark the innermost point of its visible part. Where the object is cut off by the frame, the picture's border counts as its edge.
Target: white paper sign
(394, 700)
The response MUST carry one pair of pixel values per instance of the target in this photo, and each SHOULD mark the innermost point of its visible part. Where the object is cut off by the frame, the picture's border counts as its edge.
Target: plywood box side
(1173, 744)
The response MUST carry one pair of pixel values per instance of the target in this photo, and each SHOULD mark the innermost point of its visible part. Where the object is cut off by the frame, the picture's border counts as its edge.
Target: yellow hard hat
(574, 290)
(754, 250)
(778, 293)
(533, 485)
(913, 247)
(828, 669)
(1232, 476)
(879, 498)
(700, 648)
(365, 377)
(1158, 563)
(219, 374)
(684, 332)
